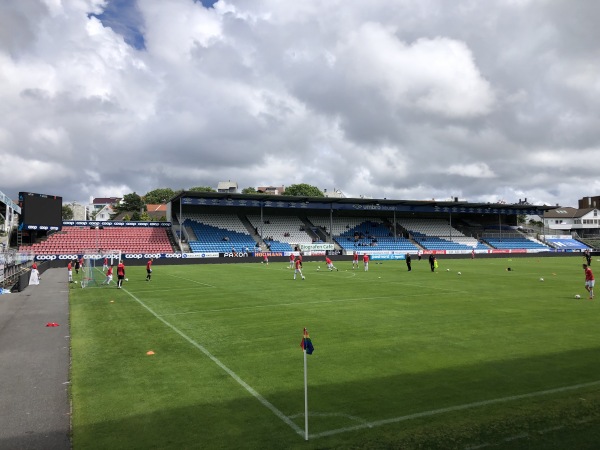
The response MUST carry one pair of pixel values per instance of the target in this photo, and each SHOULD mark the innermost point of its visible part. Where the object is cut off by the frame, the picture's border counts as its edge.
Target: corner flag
(306, 343)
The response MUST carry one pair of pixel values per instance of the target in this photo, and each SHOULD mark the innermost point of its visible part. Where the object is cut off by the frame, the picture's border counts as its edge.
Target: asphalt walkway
(34, 366)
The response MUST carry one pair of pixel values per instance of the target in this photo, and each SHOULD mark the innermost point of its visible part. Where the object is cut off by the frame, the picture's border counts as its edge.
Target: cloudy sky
(409, 99)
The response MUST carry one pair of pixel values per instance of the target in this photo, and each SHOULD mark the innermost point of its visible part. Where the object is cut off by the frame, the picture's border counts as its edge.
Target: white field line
(141, 291)
(279, 305)
(192, 281)
(226, 369)
(433, 412)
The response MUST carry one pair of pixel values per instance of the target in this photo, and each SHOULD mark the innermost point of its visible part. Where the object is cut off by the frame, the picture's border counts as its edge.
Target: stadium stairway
(318, 233)
(311, 230)
(252, 232)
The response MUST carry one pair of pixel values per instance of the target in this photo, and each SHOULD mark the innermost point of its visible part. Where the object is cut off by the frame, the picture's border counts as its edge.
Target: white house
(566, 220)
(227, 187)
(104, 214)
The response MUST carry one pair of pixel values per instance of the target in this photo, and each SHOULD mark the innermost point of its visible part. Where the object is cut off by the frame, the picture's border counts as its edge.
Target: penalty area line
(277, 305)
(434, 412)
(192, 281)
(226, 369)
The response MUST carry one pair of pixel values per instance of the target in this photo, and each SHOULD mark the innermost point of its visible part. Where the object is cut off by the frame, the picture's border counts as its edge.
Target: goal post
(93, 265)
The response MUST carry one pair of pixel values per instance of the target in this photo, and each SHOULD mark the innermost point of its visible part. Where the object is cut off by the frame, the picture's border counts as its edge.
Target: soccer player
(109, 276)
(265, 259)
(355, 260)
(298, 269)
(366, 262)
(70, 270)
(330, 265)
(588, 257)
(589, 280)
(292, 260)
(105, 265)
(77, 265)
(120, 274)
(408, 261)
(149, 269)
(432, 262)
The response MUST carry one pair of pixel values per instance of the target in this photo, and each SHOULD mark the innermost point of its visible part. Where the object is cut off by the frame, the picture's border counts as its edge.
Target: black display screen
(40, 211)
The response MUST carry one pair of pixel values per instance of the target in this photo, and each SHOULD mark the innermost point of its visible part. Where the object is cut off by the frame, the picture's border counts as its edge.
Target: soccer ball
(541, 279)
(319, 267)
(459, 273)
(75, 281)
(303, 278)
(126, 279)
(577, 296)
(447, 270)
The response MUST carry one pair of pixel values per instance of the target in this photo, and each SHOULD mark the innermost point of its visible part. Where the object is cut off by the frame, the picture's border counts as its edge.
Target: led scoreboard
(40, 212)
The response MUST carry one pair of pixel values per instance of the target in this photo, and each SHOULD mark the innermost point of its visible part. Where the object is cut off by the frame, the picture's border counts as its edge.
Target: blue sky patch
(124, 17)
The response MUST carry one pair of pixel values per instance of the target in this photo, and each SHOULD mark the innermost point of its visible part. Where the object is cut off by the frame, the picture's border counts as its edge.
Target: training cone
(52, 324)
(149, 353)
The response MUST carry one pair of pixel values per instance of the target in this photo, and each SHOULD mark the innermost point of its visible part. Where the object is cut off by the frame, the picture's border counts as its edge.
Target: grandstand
(281, 233)
(356, 233)
(438, 234)
(568, 244)
(513, 243)
(224, 233)
(73, 240)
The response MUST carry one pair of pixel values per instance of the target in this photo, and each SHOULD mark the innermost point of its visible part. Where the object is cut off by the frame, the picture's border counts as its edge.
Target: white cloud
(431, 75)
(412, 99)
(474, 170)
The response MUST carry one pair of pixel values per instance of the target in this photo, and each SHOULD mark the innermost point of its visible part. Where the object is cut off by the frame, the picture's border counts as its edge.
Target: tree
(249, 190)
(67, 212)
(131, 202)
(158, 196)
(303, 190)
(145, 217)
(202, 189)
(136, 217)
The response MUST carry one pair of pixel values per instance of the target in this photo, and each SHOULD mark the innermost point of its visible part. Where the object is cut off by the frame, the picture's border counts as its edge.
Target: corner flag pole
(307, 348)
(305, 397)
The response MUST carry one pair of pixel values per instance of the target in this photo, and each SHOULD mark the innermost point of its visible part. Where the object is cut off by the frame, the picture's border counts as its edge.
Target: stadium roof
(371, 204)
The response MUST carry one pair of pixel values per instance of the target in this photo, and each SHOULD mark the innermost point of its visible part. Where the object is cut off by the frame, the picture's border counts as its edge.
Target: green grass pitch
(485, 358)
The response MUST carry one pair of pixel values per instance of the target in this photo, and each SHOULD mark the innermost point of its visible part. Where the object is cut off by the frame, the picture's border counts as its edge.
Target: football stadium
(270, 321)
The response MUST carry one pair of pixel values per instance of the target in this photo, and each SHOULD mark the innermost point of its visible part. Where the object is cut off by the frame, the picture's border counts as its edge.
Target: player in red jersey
(105, 265)
(329, 263)
(149, 269)
(265, 259)
(292, 260)
(120, 274)
(70, 270)
(589, 280)
(109, 276)
(298, 268)
(355, 260)
(366, 262)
